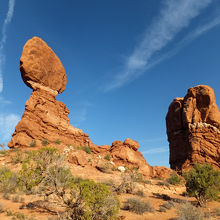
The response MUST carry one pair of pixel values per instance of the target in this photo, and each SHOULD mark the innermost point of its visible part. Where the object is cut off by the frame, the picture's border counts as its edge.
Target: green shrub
(99, 201)
(163, 183)
(203, 182)
(162, 209)
(107, 157)
(174, 179)
(8, 180)
(87, 149)
(57, 141)
(35, 166)
(17, 158)
(137, 206)
(44, 142)
(189, 212)
(9, 213)
(3, 153)
(32, 144)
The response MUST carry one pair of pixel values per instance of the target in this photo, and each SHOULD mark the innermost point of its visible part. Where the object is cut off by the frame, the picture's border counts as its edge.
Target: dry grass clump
(189, 212)
(137, 206)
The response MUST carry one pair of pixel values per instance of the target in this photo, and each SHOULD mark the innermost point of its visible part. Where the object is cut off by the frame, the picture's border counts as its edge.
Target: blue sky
(125, 61)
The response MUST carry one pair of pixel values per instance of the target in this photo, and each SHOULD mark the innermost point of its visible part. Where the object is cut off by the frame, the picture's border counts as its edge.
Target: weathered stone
(40, 64)
(193, 124)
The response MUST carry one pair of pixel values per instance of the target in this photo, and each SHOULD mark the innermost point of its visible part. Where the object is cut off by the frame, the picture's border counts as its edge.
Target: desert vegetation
(45, 174)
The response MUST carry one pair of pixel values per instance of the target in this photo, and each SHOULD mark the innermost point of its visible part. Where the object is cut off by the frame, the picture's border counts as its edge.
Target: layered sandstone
(193, 124)
(44, 117)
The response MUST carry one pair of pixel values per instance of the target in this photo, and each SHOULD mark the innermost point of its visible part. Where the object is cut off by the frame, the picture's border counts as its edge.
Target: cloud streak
(174, 17)
(156, 150)
(7, 125)
(6, 22)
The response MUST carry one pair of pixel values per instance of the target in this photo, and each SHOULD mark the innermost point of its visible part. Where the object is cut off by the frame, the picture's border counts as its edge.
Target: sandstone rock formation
(193, 129)
(44, 117)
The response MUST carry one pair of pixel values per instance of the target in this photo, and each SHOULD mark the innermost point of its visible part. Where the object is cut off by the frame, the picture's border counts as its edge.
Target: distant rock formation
(44, 117)
(193, 129)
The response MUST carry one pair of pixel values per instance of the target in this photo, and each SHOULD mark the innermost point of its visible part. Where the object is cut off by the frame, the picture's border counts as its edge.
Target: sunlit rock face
(44, 117)
(193, 129)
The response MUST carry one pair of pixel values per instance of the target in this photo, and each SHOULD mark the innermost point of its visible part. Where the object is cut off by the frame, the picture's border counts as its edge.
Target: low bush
(189, 212)
(162, 209)
(203, 182)
(57, 141)
(1, 208)
(163, 183)
(174, 179)
(15, 198)
(87, 149)
(17, 158)
(137, 206)
(6, 196)
(139, 193)
(32, 144)
(107, 157)
(8, 180)
(127, 185)
(45, 142)
(167, 205)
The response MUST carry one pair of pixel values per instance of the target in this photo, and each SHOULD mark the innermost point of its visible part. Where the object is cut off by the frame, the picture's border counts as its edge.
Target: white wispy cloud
(7, 125)
(3, 101)
(173, 17)
(6, 22)
(156, 150)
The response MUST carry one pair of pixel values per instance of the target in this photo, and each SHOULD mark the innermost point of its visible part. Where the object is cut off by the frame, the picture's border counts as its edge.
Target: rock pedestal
(44, 117)
(193, 129)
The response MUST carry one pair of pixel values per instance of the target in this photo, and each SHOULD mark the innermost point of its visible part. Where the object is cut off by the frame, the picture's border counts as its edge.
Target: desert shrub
(9, 213)
(127, 185)
(6, 196)
(163, 183)
(139, 193)
(107, 157)
(87, 149)
(203, 182)
(15, 198)
(174, 179)
(34, 167)
(44, 142)
(147, 182)
(189, 212)
(162, 209)
(136, 177)
(33, 143)
(1, 208)
(167, 205)
(3, 153)
(57, 141)
(99, 201)
(137, 206)
(17, 158)
(8, 180)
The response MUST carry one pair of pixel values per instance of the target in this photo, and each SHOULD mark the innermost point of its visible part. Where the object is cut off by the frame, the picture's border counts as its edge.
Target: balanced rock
(193, 129)
(44, 117)
(40, 64)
